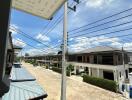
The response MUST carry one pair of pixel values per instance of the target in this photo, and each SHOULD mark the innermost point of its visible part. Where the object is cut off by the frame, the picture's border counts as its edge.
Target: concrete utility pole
(63, 81)
(123, 60)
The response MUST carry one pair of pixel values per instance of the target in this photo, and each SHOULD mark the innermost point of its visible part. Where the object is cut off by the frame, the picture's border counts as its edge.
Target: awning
(21, 74)
(41, 8)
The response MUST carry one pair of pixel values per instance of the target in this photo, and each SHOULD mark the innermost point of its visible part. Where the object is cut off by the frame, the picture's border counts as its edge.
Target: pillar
(89, 70)
(98, 72)
(115, 75)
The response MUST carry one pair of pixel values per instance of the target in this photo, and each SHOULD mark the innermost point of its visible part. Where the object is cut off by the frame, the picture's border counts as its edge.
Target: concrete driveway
(76, 89)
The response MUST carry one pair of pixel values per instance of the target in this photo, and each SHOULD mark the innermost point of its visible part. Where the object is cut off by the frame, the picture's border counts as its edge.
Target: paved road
(76, 89)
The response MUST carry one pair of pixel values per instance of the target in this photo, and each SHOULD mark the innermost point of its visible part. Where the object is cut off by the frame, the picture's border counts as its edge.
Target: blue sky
(87, 11)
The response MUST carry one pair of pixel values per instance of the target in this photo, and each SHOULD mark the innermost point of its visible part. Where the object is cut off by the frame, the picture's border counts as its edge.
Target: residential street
(76, 89)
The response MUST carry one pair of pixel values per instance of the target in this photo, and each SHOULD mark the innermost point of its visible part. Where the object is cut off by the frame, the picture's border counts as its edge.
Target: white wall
(94, 72)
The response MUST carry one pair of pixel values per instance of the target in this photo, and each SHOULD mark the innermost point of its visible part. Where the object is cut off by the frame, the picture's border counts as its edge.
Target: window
(79, 58)
(87, 58)
(119, 58)
(120, 74)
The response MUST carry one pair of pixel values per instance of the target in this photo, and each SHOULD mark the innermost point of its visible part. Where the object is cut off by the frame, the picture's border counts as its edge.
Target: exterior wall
(94, 72)
(101, 73)
(87, 60)
(91, 59)
(99, 57)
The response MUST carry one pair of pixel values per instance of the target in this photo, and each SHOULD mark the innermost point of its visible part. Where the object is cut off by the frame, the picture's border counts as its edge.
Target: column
(115, 75)
(75, 70)
(89, 70)
(98, 72)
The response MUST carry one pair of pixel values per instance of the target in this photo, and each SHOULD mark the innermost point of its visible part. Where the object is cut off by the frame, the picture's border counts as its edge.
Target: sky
(87, 11)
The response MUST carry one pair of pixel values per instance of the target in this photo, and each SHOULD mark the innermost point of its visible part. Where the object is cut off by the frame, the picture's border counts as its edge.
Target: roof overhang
(42, 8)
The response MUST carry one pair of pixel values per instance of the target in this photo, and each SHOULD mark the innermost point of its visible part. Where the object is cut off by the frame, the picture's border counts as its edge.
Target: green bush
(68, 73)
(70, 67)
(59, 70)
(103, 83)
(56, 69)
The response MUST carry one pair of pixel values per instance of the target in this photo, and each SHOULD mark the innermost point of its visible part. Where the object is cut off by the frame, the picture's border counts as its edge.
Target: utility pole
(123, 60)
(65, 50)
(63, 81)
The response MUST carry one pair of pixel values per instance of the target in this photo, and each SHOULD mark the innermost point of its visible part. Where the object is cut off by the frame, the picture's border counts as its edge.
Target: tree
(70, 67)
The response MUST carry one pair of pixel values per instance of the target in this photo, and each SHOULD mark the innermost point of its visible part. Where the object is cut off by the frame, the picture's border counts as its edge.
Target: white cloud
(59, 41)
(34, 52)
(39, 44)
(42, 51)
(82, 43)
(71, 39)
(42, 37)
(13, 28)
(19, 42)
(117, 44)
(98, 3)
(126, 46)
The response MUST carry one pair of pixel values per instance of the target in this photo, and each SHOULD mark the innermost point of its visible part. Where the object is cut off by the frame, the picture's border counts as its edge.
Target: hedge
(59, 70)
(103, 83)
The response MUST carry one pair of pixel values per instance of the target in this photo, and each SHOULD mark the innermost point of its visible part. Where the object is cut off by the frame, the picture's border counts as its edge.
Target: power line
(60, 19)
(128, 22)
(101, 19)
(114, 32)
(28, 36)
(43, 29)
(112, 37)
(31, 38)
(32, 46)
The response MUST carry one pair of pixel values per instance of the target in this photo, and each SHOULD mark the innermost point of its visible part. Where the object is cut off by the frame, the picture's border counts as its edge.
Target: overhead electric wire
(32, 46)
(29, 37)
(45, 27)
(60, 19)
(101, 20)
(110, 37)
(105, 23)
(128, 22)
(107, 33)
(113, 32)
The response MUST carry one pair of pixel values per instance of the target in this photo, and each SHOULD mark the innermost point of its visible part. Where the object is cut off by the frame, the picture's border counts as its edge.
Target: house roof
(99, 49)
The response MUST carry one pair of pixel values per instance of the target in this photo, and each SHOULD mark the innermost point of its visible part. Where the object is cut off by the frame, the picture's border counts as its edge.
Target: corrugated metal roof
(24, 91)
(21, 74)
(23, 86)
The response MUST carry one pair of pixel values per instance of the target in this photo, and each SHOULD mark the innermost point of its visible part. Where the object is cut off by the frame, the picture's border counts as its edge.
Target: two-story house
(102, 61)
